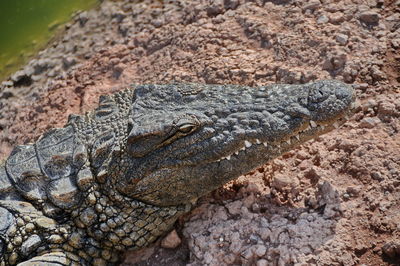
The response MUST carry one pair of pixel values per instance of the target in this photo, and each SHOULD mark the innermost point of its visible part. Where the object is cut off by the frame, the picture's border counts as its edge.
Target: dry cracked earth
(333, 201)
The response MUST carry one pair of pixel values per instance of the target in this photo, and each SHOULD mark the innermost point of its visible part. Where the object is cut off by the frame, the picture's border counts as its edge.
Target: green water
(27, 25)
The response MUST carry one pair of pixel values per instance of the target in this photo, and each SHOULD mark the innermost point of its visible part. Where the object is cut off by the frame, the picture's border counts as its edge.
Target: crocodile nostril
(318, 95)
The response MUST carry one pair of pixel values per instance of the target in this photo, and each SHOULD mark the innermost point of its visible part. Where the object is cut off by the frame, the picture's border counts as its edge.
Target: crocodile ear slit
(130, 126)
(140, 144)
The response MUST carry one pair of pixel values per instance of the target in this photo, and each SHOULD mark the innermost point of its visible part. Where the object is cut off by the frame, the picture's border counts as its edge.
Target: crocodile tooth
(288, 141)
(228, 157)
(258, 141)
(247, 144)
(313, 124)
(236, 152)
(243, 148)
(336, 125)
(347, 117)
(265, 144)
(297, 137)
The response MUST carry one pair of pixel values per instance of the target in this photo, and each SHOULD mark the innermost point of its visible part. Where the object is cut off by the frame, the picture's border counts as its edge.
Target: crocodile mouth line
(311, 129)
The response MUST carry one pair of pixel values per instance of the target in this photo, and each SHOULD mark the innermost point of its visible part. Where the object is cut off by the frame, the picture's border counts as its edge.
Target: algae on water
(27, 25)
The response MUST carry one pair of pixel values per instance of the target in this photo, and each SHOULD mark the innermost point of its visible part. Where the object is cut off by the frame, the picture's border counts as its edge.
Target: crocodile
(118, 177)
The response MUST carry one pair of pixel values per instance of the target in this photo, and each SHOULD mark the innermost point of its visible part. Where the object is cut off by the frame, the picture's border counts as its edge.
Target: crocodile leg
(52, 259)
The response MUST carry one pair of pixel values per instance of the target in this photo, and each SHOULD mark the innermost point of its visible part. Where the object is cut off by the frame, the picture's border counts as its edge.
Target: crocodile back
(47, 173)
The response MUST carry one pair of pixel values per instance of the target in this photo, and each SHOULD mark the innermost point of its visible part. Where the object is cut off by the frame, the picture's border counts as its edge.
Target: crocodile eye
(186, 128)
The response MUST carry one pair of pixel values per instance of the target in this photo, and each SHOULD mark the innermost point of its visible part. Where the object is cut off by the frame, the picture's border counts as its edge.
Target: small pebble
(369, 17)
(172, 240)
(341, 38)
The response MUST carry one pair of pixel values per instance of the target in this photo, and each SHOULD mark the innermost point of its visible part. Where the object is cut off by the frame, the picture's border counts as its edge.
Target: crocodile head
(186, 140)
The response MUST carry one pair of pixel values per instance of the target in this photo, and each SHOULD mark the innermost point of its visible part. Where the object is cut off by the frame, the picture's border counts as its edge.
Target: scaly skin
(118, 178)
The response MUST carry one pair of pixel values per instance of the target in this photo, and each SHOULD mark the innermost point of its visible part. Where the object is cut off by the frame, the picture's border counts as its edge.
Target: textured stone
(341, 38)
(282, 182)
(262, 262)
(260, 250)
(235, 207)
(172, 240)
(369, 122)
(322, 19)
(369, 17)
(312, 5)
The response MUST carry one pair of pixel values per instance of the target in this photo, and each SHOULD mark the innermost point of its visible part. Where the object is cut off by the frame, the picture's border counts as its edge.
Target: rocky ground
(332, 201)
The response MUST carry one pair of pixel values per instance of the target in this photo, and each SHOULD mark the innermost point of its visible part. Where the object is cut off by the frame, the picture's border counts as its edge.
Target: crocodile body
(119, 177)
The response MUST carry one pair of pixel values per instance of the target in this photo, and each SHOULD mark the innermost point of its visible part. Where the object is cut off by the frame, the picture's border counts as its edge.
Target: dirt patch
(333, 201)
